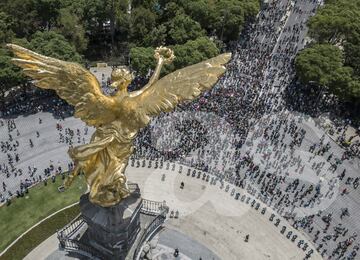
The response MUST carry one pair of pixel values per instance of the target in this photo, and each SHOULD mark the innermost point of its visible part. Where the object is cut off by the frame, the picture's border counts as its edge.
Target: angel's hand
(166, 54)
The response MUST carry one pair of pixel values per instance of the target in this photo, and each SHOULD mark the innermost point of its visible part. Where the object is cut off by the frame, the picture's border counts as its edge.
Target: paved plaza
(211, 222)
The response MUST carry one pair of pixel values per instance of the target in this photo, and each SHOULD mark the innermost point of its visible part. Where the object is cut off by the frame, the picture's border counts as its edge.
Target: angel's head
(121, 78)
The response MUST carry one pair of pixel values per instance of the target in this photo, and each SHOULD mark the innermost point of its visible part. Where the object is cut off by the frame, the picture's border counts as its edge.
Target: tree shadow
(314, 100)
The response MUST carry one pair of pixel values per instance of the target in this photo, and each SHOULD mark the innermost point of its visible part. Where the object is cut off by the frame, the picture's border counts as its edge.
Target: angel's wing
(71, 82)
(184, 84)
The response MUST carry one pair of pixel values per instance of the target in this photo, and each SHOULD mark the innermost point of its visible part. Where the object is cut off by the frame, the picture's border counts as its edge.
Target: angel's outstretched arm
(163, 56)
(156, 74)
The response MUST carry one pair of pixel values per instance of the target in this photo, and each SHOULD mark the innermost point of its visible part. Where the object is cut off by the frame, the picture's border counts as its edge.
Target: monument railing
(72, 227)
(71, 244)
(150, 230)
(150, 207)
(66, 242)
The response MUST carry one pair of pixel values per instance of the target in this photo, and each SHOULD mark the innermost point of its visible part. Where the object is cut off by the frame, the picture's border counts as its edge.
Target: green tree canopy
(142, 22)
(46, 43)
(113, 30)
(69, 26)
(194, 51)
(323, 64)
(107, 29)
(334, 61)
(55, 45)
(23, 15)
(225, 18)
(336, 22)
(6, 34)
(317, 63)
(157, 36)
(182, 29)
(10, 75)
(47, 12)
(142, 59)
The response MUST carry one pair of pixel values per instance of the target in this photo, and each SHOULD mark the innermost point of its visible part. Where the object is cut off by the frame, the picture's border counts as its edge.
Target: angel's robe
(103, 162)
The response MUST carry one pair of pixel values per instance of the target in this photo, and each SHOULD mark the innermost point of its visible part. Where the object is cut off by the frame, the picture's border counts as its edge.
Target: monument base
(112, 230)
(117, 232)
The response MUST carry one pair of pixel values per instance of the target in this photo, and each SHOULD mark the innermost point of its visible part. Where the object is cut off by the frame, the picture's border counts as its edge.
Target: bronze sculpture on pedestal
(117, 118)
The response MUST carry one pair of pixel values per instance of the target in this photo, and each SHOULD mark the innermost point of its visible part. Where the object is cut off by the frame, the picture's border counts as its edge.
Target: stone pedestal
(112, 230)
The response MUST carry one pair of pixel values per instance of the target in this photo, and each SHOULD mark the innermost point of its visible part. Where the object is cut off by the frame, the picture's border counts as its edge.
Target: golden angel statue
(117, 118)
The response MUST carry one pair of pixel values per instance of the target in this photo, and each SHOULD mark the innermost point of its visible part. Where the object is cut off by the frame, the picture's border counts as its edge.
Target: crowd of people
(243, 133)
(303, 175)
(16, 177)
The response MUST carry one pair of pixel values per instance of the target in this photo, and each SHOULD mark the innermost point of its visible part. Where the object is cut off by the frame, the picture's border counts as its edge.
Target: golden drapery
(103, 161)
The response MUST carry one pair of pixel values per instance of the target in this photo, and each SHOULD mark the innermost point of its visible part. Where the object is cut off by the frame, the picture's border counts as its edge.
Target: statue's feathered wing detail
(181, 85)
(71, 82)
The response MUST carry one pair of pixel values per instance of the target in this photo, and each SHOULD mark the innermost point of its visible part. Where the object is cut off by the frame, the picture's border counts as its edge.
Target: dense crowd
(292, 168)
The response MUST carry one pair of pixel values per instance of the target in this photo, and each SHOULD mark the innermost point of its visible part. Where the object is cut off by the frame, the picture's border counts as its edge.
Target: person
(344, 212)
(176, 252)
(247, 238)
(182, 185)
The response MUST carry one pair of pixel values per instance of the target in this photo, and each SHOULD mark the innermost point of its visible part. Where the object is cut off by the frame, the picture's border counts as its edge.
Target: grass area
(37, 235)
(40, 202)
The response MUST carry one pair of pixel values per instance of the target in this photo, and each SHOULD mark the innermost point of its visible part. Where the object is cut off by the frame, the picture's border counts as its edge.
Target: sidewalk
(42, 251)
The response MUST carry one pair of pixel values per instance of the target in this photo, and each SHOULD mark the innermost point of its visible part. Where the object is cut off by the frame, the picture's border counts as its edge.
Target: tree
(23, 15)
(354, 87)
(46, 43)
(54, 45)
(10, 75)
(225, 18)
(200, 11)
(338, 23)
(230, 23)
(335, 22)
(122, 21)
(182, 29)
(6, 34)
(94, 16)
(116, 11)
(323, 64)
(148, 4)
(142, 22)
(47, 12)
(157, 36)
(142, 59)
(334, 61)
(170, 10)
(352, 56)
(194, 51)
(339, 84)
(69, 25)
(316, 64)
